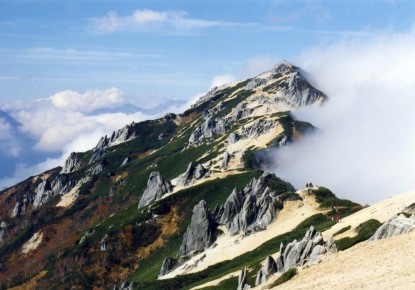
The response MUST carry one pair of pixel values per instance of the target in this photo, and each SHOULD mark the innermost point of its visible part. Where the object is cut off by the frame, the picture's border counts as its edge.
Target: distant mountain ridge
(131, 109)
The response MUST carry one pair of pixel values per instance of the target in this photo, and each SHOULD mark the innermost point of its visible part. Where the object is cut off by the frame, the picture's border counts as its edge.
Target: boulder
(157, 186)
(200, 234)
(397, 225)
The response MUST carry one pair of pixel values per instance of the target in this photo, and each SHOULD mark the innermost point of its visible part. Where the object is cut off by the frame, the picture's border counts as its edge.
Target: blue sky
(168, 48)
(61, 62)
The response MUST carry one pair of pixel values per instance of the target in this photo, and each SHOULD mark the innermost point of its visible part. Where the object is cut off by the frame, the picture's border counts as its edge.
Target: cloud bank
(46, 131)
(364, 149)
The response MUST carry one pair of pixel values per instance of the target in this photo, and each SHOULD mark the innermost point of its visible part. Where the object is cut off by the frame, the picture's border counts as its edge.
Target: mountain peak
(283, 67)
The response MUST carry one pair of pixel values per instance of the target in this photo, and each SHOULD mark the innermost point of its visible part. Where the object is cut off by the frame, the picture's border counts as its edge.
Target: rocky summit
(186, 201)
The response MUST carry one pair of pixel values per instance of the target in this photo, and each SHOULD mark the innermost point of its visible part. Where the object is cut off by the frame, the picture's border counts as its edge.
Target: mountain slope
(83, 220)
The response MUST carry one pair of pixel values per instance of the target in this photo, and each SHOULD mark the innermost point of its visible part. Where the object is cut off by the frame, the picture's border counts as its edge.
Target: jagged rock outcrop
(3, 226)
(103, 243)
(193, 172)
(232, 138)
(97, 167)
(207, 130)
(126, 161)
(269, 268)
(256, 129)
(157, 186)
(282, 67)
(72, 163)
(62, 184)
(207, 97)
(254, 83)
(242, 279)
(200, 234)
(225, 160)
(300, 93)
(409, 209)
(168, 265)
(43, 193)
(124, 134)
(125, 285)
(88, 234)
(395, 226)
(306, 252)
(240, 111)
(250, 209)
(22, 204)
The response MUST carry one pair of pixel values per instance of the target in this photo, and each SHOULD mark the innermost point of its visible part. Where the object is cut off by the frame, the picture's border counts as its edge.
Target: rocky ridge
(397, 225)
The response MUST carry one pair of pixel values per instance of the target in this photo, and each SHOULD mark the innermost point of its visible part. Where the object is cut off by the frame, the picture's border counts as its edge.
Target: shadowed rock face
(395, 226)
(167, 266)
(193, 172)
(269, 268)
(200, 233)
(157, 186)
(242, 279)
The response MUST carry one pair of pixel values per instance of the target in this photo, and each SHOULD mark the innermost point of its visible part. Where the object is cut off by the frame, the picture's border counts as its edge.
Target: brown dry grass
(31, 283)
(168, 226)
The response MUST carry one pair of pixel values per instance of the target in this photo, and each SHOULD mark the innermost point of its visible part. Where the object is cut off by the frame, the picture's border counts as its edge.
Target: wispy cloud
(151, 20)
(72, 55)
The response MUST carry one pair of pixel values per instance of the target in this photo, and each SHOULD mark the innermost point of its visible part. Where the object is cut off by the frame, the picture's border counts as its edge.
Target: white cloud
(147, 19)
(220, 80)
(364, 150)
(88, 101)
(5, 133)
